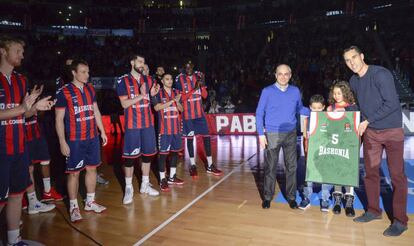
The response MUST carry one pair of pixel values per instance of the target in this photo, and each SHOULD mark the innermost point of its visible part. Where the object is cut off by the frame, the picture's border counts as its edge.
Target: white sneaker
(40, 207)
(95, 207)
(146, 188)
(129, 194)
(75, 215)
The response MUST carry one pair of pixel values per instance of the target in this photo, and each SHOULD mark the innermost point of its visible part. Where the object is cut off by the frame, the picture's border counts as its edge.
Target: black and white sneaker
(304, 204)
(324, 205)
(337, 202)
(349, 207)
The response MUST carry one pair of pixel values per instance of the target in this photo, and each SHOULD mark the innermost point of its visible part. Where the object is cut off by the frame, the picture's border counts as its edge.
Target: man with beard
(15, 105)
(134, 91)
(191, 86)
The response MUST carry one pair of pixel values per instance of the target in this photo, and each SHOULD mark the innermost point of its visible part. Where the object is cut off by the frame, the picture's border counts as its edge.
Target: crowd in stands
(238, 57)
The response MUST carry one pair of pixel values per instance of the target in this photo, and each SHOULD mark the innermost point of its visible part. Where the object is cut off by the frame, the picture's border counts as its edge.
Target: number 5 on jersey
(335, 139)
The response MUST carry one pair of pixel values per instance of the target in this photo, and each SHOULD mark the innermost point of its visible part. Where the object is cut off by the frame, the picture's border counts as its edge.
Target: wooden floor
(209, 211)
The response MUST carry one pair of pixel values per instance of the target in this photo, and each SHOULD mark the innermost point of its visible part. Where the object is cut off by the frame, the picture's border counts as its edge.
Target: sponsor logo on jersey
(79, 109)
(334, 151)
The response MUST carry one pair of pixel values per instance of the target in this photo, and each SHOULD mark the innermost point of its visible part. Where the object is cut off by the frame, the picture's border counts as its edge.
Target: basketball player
(134, 91)
(15, 105)
(39, 154)
(168, 105)
(191, 86)
(64, 78)
(77, 120)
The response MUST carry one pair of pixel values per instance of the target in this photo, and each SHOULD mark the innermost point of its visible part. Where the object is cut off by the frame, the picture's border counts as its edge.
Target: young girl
(342, 99)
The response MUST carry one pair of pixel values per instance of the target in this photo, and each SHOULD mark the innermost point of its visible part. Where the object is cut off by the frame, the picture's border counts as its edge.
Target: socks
(46, 184)
(90, 197)
(209, 160)
(145, 179)
(128, 181)
(192, 160)
(162, 175)
(13, 236)
(73, 204)
(31, 197)
(172, 171)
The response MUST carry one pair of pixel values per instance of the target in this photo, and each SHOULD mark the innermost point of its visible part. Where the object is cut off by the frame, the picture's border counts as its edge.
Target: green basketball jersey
(333, 153)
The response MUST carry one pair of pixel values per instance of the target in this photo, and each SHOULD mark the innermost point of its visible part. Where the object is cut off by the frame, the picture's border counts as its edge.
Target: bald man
(276, 114)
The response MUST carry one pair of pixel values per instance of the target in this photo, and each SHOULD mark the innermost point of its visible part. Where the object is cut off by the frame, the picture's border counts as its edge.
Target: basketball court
(211, 210)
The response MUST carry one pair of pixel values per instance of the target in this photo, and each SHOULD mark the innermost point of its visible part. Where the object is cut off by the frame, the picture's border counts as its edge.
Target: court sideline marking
(169, 220)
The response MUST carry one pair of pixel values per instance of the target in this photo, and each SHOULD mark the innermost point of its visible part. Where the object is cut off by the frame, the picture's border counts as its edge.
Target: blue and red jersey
(32, 128)
(193, 106)
(79, 119)
(12, 131)
(139, 115)
(168, 118)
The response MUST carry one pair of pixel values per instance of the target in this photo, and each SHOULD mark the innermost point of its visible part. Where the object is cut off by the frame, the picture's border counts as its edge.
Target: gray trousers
(275, 141)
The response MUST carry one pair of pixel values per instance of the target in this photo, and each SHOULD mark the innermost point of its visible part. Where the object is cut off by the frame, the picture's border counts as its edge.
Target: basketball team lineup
(191, 187)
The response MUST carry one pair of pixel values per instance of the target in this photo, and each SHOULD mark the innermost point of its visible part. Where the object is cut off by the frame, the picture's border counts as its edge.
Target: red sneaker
(175, 181)
(164, 185)
(52, 195)
(213, 170)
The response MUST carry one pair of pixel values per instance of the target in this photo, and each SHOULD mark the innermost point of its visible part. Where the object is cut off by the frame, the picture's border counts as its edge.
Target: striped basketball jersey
(32, 128)
(12, 132)
(78, 103)
(333, 152)
(139, 115)
(193, 106)
(168, 118)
